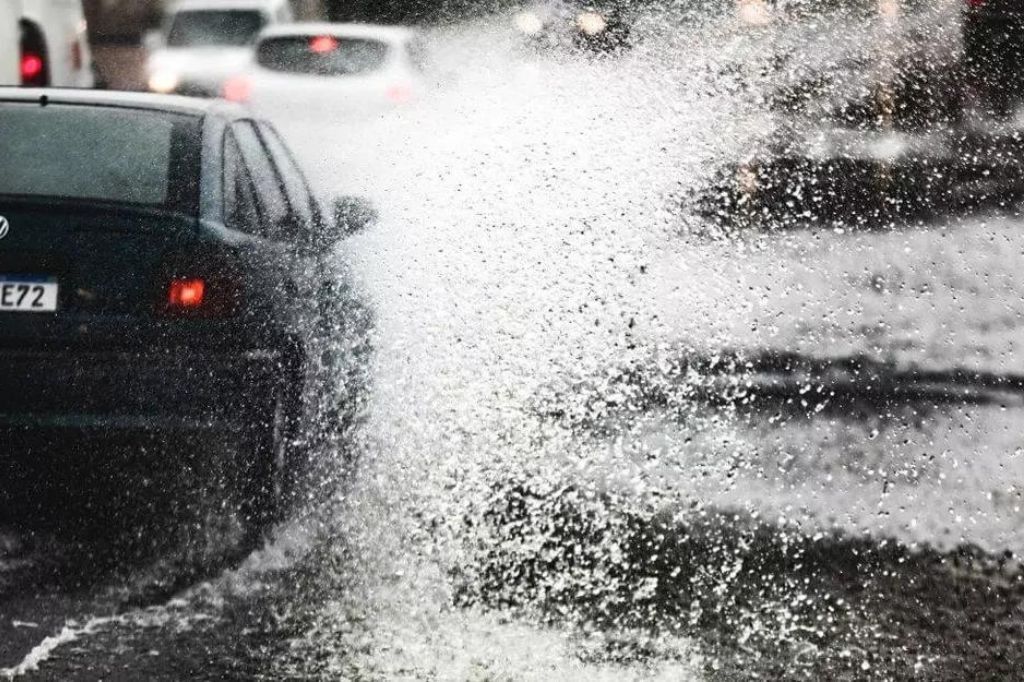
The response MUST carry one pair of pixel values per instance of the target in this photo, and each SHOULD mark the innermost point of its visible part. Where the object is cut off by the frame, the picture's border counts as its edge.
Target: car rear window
(323, 55)
(208, 28)
(106, 154)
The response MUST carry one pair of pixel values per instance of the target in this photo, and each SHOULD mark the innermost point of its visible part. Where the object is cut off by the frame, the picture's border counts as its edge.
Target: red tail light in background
(322, 44)
(974, 4)
(236, 89)
(32, 57)
(186, 294)
(31, 68)
(399, 93)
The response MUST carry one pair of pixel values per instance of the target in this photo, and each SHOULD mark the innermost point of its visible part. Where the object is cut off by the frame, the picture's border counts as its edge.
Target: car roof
(126, 100)
(213, 5)
(312, 28)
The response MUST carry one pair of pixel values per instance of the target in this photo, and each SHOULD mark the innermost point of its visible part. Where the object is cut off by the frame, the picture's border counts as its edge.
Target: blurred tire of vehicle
(330, 71)
(43, 43)
(165, 269)
(203, 43)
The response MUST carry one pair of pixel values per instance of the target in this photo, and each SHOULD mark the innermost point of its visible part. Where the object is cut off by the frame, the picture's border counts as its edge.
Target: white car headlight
(591, 23)
(164, 81)
(754, 12)
(529, 23)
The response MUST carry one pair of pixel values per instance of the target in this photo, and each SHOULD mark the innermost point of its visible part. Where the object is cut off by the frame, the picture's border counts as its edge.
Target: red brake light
(31, 67)
(237, 89)
(399, 93)
(199, 286)
(186, 294)
(322, 44)
(974, 4)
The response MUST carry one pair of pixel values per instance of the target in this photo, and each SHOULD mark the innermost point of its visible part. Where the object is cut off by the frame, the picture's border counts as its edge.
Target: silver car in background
(330, 71)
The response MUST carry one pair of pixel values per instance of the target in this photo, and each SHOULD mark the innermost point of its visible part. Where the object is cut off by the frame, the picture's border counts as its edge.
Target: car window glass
(241, 210)
(294, 182)
(322, 55)
(105, 154)
(273, 203)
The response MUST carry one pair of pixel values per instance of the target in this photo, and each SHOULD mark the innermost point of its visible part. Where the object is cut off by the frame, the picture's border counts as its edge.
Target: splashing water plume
(523, 208)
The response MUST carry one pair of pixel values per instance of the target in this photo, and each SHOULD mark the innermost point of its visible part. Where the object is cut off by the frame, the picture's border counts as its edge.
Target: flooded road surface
(602, 437)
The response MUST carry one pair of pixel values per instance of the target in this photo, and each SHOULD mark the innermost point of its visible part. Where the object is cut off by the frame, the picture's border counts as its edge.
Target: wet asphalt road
(759, 594)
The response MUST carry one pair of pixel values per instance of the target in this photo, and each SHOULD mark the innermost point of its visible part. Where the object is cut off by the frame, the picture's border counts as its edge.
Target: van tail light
(32, 62)
(32, 66)
(399, 93)
(237, 89)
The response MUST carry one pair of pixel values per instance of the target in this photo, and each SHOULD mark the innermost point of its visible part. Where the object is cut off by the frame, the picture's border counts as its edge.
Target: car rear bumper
(127, 392)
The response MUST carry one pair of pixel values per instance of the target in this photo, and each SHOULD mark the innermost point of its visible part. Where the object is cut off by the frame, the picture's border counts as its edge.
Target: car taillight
(32, 62)
(974, 4)
(186, 294)
(210, 296)
(31, 69)
(399, 93)
(323, 44)
(236, 89)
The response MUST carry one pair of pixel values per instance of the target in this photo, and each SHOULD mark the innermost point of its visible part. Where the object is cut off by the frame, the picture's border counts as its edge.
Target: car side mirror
(152, 40)
(352, 215)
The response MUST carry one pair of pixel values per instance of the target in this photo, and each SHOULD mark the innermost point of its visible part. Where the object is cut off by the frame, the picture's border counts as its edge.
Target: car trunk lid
(106, 263)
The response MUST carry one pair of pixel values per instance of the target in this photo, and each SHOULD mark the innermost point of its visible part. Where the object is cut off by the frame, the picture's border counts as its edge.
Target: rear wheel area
(270, 457)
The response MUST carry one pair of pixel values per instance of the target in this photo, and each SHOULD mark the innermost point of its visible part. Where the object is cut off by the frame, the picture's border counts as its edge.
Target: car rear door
(271, 226)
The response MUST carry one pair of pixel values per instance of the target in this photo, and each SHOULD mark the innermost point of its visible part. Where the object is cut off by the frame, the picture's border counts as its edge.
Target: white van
(43, 43)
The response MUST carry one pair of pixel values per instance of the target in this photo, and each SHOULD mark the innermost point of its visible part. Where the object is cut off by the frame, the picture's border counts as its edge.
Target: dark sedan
(164, 267)
(993, 36)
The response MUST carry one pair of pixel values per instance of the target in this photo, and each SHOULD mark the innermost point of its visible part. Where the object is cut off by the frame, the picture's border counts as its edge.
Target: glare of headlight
(529, 23)
(163, 82)
(889, 9)
(754, 12)
(747, 181)
(591, 23)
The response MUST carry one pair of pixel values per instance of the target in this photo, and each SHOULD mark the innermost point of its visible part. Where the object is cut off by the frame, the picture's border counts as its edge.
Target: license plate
(27, 295)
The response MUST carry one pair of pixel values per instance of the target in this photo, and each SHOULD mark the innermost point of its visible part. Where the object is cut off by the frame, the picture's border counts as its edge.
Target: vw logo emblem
(5, 227)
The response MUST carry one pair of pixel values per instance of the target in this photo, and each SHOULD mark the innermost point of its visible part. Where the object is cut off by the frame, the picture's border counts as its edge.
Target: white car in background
(330, 71)
(205, 42)
(43, 43)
